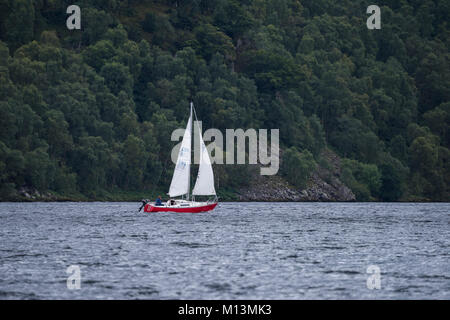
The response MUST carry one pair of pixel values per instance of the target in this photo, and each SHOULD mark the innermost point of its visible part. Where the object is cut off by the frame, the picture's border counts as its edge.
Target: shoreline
(227, 200)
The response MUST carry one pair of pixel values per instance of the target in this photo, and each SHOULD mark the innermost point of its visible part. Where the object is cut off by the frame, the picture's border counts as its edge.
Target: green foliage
(95, 24)
(438, 120)
(149, 23)
(91, 112)
(354, 140)
(363, 179)
(297, 167)
(19, 24)
(232, 17)
(135, 159)
(392, 183)
(117, 77)
(210, 40)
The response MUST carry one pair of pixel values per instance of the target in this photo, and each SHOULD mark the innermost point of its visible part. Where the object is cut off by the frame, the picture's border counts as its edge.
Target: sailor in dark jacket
(158, 201)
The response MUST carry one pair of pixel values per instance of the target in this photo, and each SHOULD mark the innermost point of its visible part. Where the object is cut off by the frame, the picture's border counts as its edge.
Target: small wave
(90, 281)
(191, 244)
(92, 264)
(25, 255)
(142, 291)
(426, 276)
(342, 271)
(251, 287)
(218, 286)
(406, 289)
(339, 289)
(291, 256)
(17, 295)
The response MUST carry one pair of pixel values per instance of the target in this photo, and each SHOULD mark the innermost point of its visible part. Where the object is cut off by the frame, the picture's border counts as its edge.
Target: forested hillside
(89, 113)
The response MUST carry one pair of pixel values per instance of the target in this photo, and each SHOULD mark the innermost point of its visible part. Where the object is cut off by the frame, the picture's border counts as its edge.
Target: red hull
(152, 208)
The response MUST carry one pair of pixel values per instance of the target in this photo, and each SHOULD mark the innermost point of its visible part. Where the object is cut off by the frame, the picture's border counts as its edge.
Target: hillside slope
(88, 113)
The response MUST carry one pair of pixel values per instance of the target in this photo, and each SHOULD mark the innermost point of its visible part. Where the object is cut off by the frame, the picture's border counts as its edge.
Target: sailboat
(180, 185)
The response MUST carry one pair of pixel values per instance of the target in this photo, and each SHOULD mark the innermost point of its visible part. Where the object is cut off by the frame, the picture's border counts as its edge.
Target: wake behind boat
(180, 185)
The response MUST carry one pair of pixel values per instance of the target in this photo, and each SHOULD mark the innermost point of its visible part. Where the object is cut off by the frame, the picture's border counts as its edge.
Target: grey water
(238, 251)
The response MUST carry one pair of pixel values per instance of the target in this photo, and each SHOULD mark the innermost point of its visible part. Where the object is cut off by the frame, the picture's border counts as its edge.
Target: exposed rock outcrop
(31, 194)
(323, 185)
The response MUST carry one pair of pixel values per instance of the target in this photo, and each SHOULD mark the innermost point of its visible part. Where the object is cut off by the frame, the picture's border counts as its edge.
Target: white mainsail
(181, 175)
(204, 186)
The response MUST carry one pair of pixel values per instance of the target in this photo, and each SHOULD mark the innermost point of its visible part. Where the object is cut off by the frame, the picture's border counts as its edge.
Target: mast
(189, 176)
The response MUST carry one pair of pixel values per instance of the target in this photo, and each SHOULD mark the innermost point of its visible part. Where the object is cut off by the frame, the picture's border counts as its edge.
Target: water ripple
(238, 251)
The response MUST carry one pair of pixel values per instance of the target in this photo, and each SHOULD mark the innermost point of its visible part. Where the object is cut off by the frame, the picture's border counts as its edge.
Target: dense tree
(363, 179)
(297, 167)
(19, 24)
(92, 110)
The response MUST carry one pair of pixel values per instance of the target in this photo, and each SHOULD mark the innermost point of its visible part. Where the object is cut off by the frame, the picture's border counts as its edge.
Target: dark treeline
(91, 111)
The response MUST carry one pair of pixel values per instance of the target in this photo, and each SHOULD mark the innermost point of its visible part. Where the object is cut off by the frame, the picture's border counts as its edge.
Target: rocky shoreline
(324, 185)
(277, 189)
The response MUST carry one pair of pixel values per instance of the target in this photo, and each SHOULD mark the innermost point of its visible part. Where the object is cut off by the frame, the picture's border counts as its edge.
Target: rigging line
(196, 120)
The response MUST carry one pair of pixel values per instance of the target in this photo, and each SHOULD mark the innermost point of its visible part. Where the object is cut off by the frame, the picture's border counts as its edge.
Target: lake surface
(238, 251)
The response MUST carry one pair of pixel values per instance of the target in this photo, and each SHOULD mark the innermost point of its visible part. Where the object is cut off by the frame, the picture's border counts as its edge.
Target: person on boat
(158, 201)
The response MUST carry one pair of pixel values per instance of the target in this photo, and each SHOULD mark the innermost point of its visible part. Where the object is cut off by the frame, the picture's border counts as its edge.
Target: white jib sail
(181, 175)
(204, 186)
